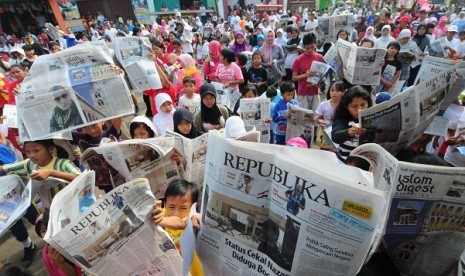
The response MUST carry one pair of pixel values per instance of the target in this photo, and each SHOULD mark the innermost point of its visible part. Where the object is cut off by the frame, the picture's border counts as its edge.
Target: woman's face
(392, 51)
(404, 40)
(209, 100)
(185, 127)
(166, 107)
(385, 32)
(356, 105)
(369, 31)
(421, 31)
(294, 35)
(342, 35)
(270, 37)
(239, 39)
(249, 95)
(171, 37)
(141, 133)
(157, 50)
(17, 73)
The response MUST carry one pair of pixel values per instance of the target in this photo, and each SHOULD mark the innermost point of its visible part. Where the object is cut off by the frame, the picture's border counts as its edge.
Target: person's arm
(340, 132)
(173, 222)
(3, 140)
(297, 77)
(42, 174)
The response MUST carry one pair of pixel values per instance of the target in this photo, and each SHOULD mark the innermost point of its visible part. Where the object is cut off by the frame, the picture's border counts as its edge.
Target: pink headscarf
(267, 49)
(441, 27)
(164, 26)
(215, 50)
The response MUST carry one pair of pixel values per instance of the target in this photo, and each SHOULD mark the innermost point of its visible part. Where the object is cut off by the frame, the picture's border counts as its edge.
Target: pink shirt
(51, 266)
(301, 65)
(231, 72)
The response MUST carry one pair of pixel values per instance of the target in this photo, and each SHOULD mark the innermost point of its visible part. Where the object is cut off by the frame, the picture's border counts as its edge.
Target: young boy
(190, 100)
(307, 92)
(93, 134)
(280, 115)
(179, 197)
(257, 74)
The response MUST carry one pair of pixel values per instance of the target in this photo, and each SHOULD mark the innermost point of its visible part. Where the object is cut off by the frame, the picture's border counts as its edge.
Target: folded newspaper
(113, 235)
(265, 211)
(300, 124)
(15, 198)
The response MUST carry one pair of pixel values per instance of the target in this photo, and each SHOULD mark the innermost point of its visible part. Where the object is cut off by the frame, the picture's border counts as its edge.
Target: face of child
(94, 130)
(404, 40)
(356, 105)
(260, 42)
(257, 60)
(38, 153)
(392, 51)
(309, 49)
(249, 95)
(141, 133)
(366, 44)
(385, 31)
(157, 50)
(178, 206)
(184, 127)
(335, 94)
(294, 35)
(209, 100)
(189, 88)
(288, 96)
(177, 48)
(166, 107)
(462, 36)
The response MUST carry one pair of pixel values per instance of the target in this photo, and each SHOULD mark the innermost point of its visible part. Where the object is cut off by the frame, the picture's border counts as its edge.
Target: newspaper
(424, 231)
(24, 135)
(43, 188)
(436, 48)
(319, 69)
(11, 115)
(134, 54)
(118, 163)
(397, 123)
(193, 155)
(226, 96)
(15, 198)
(52, 31)
(73, 88)
(266, 212)
(431, 66)
(300, 124)
(361, 65)
(329, 26)
(114, 235)
(254, 112)
(333, 59)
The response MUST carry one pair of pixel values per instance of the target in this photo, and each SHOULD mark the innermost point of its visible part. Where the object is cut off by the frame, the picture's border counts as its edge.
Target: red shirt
(301, 65)
(11, 95)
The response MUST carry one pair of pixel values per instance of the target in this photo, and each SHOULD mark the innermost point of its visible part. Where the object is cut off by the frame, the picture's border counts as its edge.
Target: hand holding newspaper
(319, 70)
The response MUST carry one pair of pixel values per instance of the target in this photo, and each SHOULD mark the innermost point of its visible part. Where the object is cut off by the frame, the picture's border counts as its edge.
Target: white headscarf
(410, 45)
(163, 121)
(383, 41)
(146, 121)
(370, 37)
(234, 127)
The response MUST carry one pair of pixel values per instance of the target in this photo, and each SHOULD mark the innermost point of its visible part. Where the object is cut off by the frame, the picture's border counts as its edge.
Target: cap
(18, 50)
(382, 97)
(403, 19)
(453, 28)
(297, 142)
(177, 14)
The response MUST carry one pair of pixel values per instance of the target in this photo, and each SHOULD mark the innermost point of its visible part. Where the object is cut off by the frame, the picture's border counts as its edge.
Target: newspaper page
(397, 123)
(300, 124)
(15, 198)
(73, 88)
(329, 26)
(431, 66)
(254, 113)
(424, 231)
(226, 96)
(52, 31)
(436, 48)
(319, 69)
(117, 163)
(265, 212)
(333, 59)
(193, 155)
(115, 235)
(11, 115)
(133, 53)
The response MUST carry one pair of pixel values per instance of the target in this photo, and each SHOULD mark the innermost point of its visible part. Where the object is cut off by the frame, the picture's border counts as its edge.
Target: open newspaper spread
(72, 88)
(254, 112)
(114, 235)
(15, 198)
(134, 54)
(226, 96)
(117, 163)
(300, 124)
(265, 212)
(329, 26)
(424, 231)
(397, 123)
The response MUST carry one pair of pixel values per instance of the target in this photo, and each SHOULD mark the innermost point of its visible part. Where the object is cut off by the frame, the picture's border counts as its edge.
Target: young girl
(249, 92)
(142, 128)
(197, 44)
(189, 69)
(346, 128)
(190, 100)
(183, 124)
(326, 109)
(164, 118)
(392, 67)
(211, 115)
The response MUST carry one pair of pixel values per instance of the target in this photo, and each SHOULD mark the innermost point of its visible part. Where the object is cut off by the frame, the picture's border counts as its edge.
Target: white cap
(19, 50)
(453, 28)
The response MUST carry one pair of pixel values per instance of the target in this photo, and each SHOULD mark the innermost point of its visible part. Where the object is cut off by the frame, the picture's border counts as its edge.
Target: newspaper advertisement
(226, 96)
(114, 235)
(15, 198)
(329, 26)
(133, 53)
(361, 65)
(11, 115)
(436, 48)
(73, 88)
(264, 212)
(397, 123)
(333, 59)
(424, 231)
(192, 155)
(300, 124)
(117, 163)
(255, 113)
(319, 70)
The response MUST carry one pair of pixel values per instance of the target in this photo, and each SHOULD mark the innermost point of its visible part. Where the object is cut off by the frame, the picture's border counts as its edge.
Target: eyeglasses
(64, 96)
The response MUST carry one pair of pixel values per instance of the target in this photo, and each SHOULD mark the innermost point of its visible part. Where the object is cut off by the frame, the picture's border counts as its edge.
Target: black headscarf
(184, 114)
(295, 41)
(209, 115)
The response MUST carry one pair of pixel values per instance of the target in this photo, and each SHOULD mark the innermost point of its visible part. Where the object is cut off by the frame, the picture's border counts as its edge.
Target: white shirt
(235, 22)
(453, 156)
(111, 32)
(454, 43)
(311, 25)
(461, 50)
(202, 9)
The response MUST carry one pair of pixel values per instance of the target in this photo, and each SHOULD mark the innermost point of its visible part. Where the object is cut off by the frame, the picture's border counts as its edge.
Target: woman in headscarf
(164, 27)
(189, 70)
(272, 57)
(142, 128)
(212, 61)
(163, 121)
(292, 50)
(184, 124)
(239, 45)
(422, 42)
(385, 38)
(260, 42)
(441, 28)
(408, 50)
(211, 115)
(368, 34)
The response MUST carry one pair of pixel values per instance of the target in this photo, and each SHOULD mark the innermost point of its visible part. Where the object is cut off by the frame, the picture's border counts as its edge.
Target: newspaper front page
(15, 198)
(436, 48)
(300, 124)
(265, 212)
(397, 123)
(134, 54)
(117, 163)
(73, 88)
(226, 96)
(114, 235)
(10, 112)
(424, 231)
(432, 66)
(254, 112)
(329, 26)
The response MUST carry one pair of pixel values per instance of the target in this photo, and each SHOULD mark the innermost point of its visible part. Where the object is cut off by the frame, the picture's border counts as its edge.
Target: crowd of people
(190, 53)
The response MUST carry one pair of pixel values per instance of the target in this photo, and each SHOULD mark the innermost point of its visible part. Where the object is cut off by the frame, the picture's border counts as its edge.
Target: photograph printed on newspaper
(300, 124)
(254, 112)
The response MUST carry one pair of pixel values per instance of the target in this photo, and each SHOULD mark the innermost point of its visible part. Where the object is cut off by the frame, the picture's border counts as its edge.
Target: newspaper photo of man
(295, 199)
(65, 114)
(269, 244)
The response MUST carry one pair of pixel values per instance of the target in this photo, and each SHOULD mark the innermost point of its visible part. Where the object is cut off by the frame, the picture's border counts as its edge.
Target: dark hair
(188, 79)
(28, 47)
(271, 92)
(20, 66)
(367, 40)
(158, 43)
(309, 38)
(256, 53)
(289, 29)
(135, 31)
(228, 55)
(358, 162)
(429, 159)
(343, 31)
(135, 125)
(242, 58)
(286, 86)
(120, 34)
(396, 45)
(270, 225)
(25, 65)
(181, 187)
(248, 88)
(354, 92)
(51, 44)
(339, 85)
(176, 42)
(462, 33)
(46, 143)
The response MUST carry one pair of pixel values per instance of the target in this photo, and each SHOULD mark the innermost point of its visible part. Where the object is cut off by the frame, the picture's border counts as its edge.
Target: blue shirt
(278, 116)
(293, 201)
